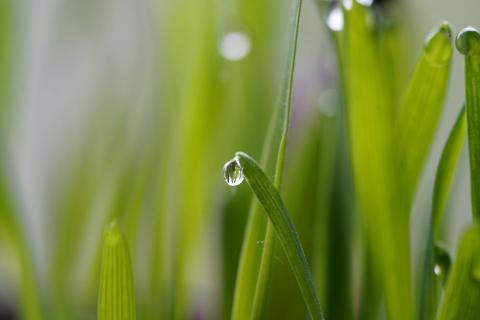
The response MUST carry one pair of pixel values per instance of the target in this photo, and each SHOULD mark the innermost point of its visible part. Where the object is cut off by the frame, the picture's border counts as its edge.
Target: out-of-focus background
(128, 109)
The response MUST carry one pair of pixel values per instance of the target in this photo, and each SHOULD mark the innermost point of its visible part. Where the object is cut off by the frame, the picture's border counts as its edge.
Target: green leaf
(446, 171)
(255, 263)
(116, 295)
(278, 215)
(443, 184)
(370, 124)
(468, 43)
(462, 296)
(418, 117)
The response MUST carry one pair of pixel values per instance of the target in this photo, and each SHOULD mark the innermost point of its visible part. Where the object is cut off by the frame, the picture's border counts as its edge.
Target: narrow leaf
(443, 184)
(418, 117)
(468, 43)
(462, 296)
(278, 215)
(254, 266)
(446, 171)
(116, 297)
(370, 121)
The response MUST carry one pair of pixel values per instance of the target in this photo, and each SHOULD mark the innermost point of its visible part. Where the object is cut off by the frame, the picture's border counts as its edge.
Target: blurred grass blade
(29, 297)
(278, 215)
(418, 117)
(462, 296)
(468, 43)
(11, 226)
(370, 121)
(443, 183)
(254, 266)
(116, 298)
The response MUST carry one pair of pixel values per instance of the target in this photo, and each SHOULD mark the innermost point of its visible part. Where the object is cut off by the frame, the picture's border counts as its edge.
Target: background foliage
(127, 111)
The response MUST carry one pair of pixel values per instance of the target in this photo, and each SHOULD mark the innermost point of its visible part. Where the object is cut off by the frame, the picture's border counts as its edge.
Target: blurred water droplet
(235, 46)
(232, 171)
(367, 3)
(335, 19)
(442, 263)
(348, 4)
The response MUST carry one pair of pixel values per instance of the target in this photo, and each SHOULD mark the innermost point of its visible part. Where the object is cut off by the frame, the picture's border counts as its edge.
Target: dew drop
(468, 41)
(442, 263)
(235, 46)
(335, 19)
(232, 171)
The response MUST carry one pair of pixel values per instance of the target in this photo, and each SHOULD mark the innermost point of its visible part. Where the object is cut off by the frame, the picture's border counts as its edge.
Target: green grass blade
(443, 184)
(418, 117)
(468, 43)
(462, 296)
(254, 267)
(116, 295)
(278, 215)
(446, 171)
(370, 121)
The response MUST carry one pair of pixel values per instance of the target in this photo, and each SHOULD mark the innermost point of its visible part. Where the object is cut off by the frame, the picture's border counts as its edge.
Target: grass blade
(254, 266)
(468, 43)
(423, 104)
(116, 297)
(462, 296)
(10, 216)
(370, 121)
(446, 170)
(278, 215)
(443, 184)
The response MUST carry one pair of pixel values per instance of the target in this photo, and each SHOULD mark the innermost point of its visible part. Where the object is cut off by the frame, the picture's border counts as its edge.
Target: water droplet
(348, 4)
(235, 46)
(468, 41)
(366, 3)
(335, 19)
(476, 270)
(232, 171)
(442, 263)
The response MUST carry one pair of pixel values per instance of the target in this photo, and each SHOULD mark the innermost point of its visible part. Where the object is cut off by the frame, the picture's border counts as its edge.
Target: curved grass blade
(443, 184)
(468, 43)
(418, 117)
(116, 297)
(462, 296)
(254, 266)
(267, 194)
